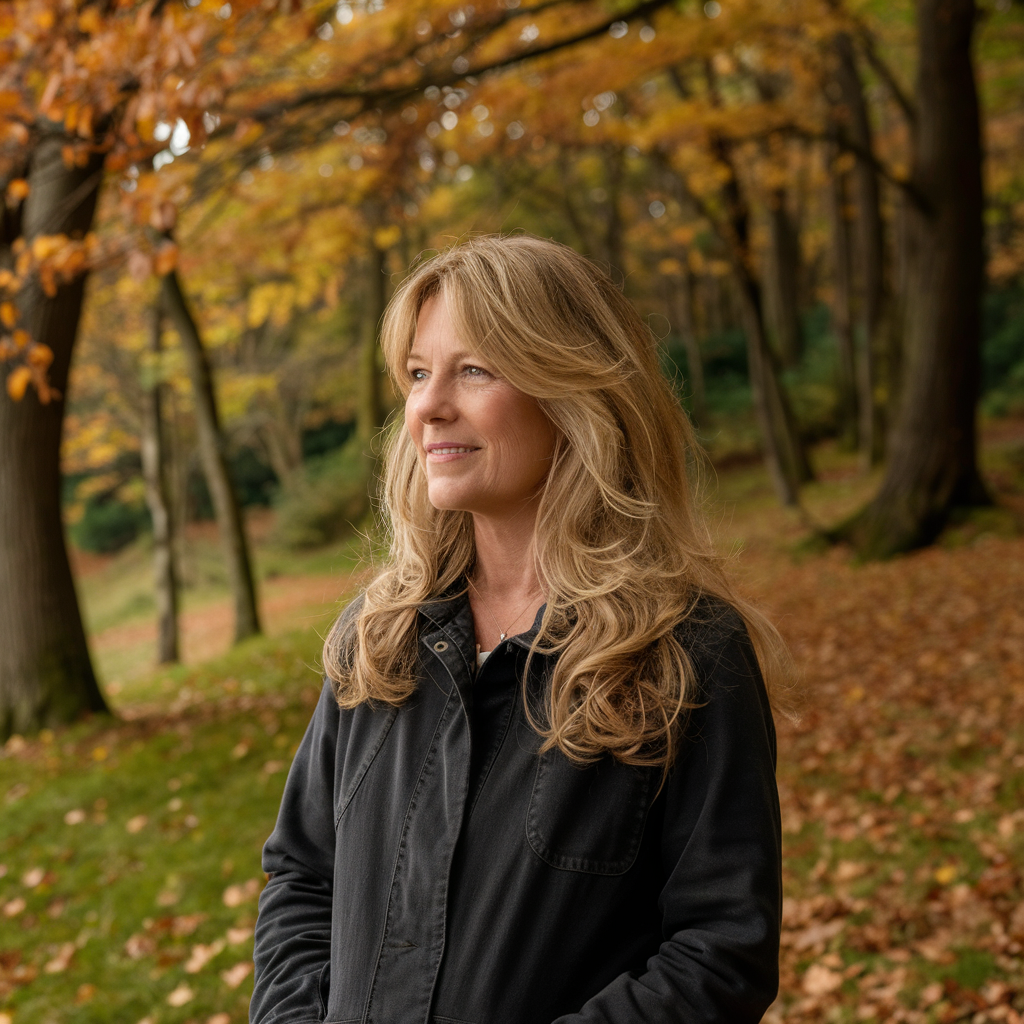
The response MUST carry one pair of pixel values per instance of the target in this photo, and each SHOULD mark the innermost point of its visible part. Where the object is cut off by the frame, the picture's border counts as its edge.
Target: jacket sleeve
(721, 904)
(293, 932)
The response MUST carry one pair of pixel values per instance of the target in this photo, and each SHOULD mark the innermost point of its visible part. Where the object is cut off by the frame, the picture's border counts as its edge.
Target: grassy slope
(912, 707)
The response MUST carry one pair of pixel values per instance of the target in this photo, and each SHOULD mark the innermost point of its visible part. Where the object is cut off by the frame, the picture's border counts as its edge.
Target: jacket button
(440, 646)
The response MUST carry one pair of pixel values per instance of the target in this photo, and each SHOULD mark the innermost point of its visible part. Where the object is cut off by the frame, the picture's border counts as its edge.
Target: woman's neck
(504, 580)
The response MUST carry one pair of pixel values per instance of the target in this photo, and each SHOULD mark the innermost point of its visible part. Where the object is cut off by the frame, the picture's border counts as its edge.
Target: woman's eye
(418, 374)
(476, 371)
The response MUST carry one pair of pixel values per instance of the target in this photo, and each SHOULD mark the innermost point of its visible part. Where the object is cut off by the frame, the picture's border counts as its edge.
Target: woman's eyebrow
(461, 354)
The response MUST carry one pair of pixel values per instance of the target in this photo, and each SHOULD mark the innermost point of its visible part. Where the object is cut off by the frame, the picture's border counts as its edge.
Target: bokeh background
(817, 205)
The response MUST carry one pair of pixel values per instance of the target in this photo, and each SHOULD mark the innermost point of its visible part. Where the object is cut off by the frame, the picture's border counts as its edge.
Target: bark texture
(213, 455)
(46, 675)
(932, 467)
(156, 472)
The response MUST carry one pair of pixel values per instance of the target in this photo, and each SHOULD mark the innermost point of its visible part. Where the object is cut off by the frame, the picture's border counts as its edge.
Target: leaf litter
(902, 787)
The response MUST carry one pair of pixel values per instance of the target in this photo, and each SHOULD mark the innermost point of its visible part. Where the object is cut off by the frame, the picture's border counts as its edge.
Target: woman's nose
(433, 401)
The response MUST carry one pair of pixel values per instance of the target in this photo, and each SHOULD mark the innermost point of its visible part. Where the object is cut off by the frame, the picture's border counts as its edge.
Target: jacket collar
(452, 610)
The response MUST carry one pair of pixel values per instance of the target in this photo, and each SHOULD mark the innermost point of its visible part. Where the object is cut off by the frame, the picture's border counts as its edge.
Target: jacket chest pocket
(588, 819)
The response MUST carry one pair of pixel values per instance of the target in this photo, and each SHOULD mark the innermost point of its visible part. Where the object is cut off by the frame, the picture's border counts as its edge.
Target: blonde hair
(622, 550)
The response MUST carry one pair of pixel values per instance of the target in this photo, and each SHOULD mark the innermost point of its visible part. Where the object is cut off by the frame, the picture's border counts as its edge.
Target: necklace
(502, 633)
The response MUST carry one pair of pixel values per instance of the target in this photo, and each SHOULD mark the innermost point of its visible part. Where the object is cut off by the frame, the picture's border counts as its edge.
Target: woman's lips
(447, 451)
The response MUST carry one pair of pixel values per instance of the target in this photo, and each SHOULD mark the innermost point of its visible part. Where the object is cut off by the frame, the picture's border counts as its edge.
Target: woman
(539, 785)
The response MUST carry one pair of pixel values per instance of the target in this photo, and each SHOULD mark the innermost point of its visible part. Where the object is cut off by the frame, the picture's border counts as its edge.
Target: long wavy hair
(622, 550)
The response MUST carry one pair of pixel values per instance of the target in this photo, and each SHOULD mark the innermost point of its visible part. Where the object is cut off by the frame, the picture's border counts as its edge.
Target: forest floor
(129, 849)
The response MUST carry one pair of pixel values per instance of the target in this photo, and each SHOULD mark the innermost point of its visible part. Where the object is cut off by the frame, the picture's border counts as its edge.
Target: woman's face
(484, 445)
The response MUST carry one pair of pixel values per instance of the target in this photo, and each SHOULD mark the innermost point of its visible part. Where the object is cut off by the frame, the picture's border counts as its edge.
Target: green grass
(176, 806)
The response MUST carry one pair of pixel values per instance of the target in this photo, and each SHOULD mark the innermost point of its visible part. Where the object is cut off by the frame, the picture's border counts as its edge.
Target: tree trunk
(213, 455)
(842, 314)
(282, 446)
(681, 305)
(370, 410)
(932, 466)
(784, 453)
(615, 172)
(869, 248)
(782, 280)
(155, 470)
(46, 675)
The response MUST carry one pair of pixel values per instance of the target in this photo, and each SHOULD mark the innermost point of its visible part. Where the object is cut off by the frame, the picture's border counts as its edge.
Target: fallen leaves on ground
(235, 895)
(902, 786)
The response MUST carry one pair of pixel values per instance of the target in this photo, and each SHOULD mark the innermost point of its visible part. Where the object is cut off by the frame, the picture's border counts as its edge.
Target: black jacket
(400, 895)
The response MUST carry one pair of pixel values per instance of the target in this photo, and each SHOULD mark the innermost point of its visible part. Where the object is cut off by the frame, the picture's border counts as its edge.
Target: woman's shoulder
(710, 624)
(715, 638)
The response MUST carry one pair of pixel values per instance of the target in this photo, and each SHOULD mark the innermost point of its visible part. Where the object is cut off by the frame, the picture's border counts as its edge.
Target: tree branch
(368, 98)
(885, 73)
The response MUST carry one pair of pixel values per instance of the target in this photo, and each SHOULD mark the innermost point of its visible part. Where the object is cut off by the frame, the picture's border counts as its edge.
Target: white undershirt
(481, 657)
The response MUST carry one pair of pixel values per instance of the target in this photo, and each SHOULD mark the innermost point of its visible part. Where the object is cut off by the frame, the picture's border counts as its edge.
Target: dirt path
(286, 603)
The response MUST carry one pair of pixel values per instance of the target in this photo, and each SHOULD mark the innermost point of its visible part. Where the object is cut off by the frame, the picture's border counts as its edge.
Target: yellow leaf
(8, 314)
(89, 21)
(385, 238)
(945, 874)
(17, 382)
(45, 246)
(40, 355)
(45, 19)
(21, 338)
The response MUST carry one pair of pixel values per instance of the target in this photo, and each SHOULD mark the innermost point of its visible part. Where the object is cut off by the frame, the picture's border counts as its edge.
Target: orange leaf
(8, 314)
(17, 190)
(166, 258)
(17, 381)
(21, 338)
(40, 355)
(85, 122)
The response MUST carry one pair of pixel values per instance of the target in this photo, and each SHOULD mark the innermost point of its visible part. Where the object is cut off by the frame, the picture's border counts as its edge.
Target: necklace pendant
(502, 637)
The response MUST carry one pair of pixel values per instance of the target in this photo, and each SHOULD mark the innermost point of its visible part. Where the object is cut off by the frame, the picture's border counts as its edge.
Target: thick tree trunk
(932, 467)
(869, 248)
(213, 455)
(155, 471)
(46, 676)
(842, 313)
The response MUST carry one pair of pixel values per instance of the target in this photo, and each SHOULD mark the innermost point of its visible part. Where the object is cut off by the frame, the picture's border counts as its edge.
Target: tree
(932, 468)
(213, 455)
(88, 93)
(155, 471)
(46, 676)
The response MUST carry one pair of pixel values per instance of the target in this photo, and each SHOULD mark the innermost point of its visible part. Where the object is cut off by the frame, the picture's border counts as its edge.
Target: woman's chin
(449, 499)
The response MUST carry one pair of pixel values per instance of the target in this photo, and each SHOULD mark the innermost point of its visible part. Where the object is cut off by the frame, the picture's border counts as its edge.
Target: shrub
(326, 499)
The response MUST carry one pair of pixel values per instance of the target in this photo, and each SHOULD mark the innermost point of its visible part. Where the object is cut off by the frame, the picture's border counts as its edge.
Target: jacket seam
(401, 852)
(364, 767)
(586, 865)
